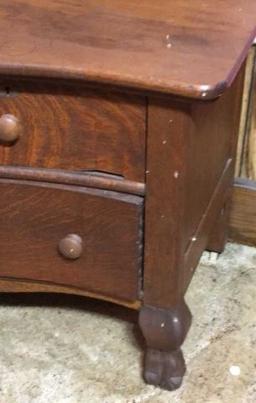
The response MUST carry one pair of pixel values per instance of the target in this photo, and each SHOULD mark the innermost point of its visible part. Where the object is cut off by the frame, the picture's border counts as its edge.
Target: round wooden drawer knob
(10, 128)
(71, 246)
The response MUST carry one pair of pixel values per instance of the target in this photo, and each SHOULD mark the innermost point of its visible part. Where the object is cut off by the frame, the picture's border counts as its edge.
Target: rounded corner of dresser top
(212, 91)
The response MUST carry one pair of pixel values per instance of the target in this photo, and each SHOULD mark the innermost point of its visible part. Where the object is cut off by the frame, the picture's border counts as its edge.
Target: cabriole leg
(164, 331)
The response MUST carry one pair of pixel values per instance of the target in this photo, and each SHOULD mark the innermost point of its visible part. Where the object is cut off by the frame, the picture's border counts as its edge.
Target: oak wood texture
(242, 226)
(35, 217)
(121, 97)
(168, 122)
(196, 142)
(69, 128)
(88, 179)
(189, 48)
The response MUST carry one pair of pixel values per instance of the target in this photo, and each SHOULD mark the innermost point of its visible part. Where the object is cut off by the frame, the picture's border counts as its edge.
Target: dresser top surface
(188, 48)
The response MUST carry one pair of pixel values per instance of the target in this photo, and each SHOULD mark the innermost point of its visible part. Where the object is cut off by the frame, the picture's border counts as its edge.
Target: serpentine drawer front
(75, 129)
(118, 132)
(63, 235)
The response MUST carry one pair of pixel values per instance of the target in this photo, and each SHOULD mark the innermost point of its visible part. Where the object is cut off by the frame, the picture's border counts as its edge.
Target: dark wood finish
(88, 179)
(196, 143)
(211, 142)
(164, 331)
(219, 234)
(168, 125)
(68, 128)
(190, 48)
(242, 226)
(206, 228)
(122, 97)
(35, 217)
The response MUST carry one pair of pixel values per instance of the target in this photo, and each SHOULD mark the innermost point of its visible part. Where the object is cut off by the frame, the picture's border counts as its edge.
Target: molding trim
(86, 178)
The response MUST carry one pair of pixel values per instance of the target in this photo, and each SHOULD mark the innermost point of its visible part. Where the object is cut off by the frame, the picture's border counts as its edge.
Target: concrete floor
(60, 349)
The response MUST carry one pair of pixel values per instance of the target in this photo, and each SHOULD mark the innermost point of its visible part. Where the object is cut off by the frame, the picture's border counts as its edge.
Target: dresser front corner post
(164, 318)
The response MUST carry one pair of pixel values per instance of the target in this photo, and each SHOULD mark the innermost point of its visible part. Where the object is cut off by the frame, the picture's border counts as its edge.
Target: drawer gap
(100, 173)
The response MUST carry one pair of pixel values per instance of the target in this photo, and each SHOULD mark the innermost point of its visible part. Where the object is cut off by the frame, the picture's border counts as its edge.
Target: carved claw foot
(164, 369)
(164, 331)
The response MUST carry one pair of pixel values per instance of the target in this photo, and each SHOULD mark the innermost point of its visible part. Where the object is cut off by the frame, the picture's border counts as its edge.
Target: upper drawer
(67, 127)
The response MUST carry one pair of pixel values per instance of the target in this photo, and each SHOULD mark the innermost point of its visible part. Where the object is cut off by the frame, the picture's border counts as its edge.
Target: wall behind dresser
(246, 153)
(243, 211)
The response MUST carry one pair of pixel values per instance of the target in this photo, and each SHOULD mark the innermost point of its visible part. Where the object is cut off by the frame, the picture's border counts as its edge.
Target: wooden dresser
(118, 124)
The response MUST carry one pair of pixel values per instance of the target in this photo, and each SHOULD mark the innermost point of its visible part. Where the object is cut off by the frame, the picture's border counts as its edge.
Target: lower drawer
(67, 235)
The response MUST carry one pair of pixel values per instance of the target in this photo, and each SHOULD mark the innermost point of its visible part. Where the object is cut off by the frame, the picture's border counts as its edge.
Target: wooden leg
(219, 235)
(164, 331)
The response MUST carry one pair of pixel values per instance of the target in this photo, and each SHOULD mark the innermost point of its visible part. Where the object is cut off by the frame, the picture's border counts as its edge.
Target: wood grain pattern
(212, 175)
(34, 217)
(88, 179)
(200, 241)
(190, 48)
(211, 142)
(88, 82)
(164, 204)
(69, 128)
(193, 145)
(242, 226)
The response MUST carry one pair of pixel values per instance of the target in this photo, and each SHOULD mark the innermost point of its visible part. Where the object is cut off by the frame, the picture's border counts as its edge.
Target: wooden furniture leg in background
(219, 235)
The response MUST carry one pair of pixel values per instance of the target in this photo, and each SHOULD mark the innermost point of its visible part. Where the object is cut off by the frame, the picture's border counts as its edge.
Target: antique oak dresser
(118, 124)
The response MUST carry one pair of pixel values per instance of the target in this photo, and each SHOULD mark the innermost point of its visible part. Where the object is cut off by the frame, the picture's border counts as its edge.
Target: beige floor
(69, 350)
